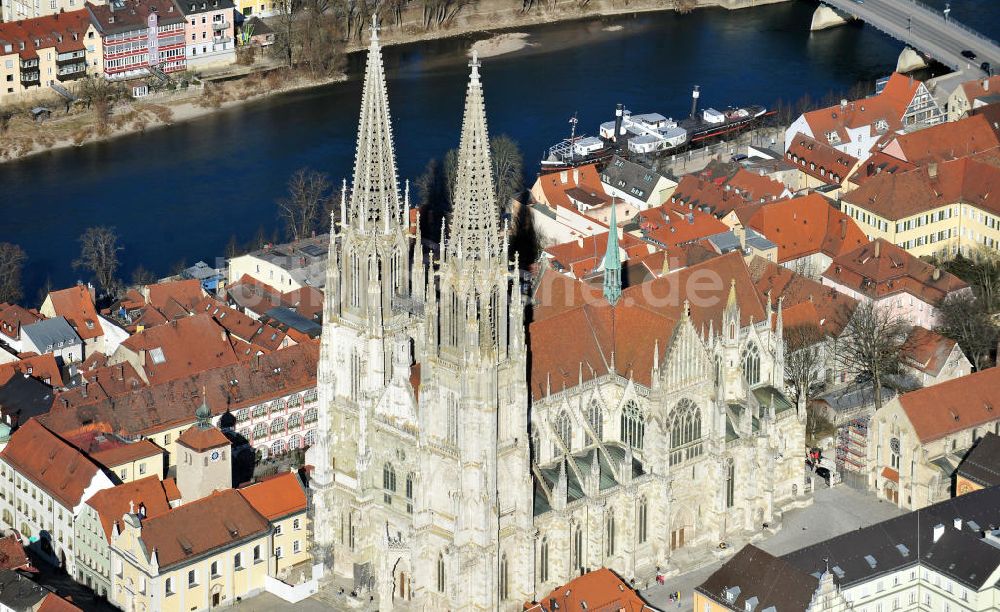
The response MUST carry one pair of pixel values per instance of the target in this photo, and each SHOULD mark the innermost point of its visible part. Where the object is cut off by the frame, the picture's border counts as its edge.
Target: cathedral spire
(475, 232)
(612, 263)
(374, 200)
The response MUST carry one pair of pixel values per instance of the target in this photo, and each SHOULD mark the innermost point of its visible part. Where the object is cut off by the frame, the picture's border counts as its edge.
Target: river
(181, 192)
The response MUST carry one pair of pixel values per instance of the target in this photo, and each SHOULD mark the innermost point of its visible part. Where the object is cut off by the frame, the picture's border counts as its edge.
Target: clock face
(215, 455)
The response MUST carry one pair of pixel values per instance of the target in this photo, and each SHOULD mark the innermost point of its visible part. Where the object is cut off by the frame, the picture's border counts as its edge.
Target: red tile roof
(76, 304)
(112, 504)
(50, 462)
(12, 555)
(880, 269)
(583, 256)
(14, 317)
(174, 298)
(222, 519)
(260, 336)
(150, 409)
(804, 301)
(277, 497)
(805, 226)
(132, 14)
(889, 105)
(54, 603)
(955, 405)
(927, 350)
(199, 439)
(979, 88)
(673, 225)
(584, 177)
(877, 164)
(181, 348)
(723, 191)
(904, 194)
(645, 314)
(42, 367)
(600, 589)
(120, 454)
(63, 31)
(944, 141)
(819, 159)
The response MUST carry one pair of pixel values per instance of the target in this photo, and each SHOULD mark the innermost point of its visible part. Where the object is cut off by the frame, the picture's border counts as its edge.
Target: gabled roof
(927, 350)
(23, 397)
(261, 336)
(55, 603)
(126, 15)
(63, 31)
(582, 257)
(50, 462)
(632, 178)
(174, 298)
(807, 225)
(880, 269)
(12, 555)
(723, 189)
(554, 188)
(113, 503)
(149, 409)
(904, 194)
(757, 580)
(954, 405)
(600, 589)
(672, 225)
(889, 106)
(181, 348)
(211, 523)
(277, 497)
(819, 159)
(51, 334)
(979, 88)
(41, 367)
(877, 164)
(982, 464)
(120, 454)
(201, 439)
(76, 304)
(804, 301)
(14, 317)
(944, 141)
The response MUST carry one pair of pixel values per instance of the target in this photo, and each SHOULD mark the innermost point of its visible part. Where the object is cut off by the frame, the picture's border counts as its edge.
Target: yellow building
(39, 52)
(197, 556)
(133, 461)
(940, 209)
(282, 500)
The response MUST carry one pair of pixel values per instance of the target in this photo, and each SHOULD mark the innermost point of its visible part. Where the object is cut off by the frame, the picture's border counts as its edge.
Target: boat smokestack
(694, 101)
(618, 120)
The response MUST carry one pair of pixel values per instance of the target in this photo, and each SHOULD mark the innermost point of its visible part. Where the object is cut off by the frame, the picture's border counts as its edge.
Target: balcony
(220, 25)
(72, 72)
(220, 40)
(32, 63)
(31, 78)
(68, 58)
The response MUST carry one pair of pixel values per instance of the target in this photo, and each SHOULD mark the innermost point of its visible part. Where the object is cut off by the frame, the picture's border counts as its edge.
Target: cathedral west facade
(468, 462)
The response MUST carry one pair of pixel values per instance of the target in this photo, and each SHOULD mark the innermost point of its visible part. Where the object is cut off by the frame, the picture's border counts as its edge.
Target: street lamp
(947, 10)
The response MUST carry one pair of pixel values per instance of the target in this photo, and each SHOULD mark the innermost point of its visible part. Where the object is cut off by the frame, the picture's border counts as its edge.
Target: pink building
(209, 32)
(140, 35)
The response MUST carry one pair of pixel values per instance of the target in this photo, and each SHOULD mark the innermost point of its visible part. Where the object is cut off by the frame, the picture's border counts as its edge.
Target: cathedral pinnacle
(475, 232)
(374, 199)
(612, 263)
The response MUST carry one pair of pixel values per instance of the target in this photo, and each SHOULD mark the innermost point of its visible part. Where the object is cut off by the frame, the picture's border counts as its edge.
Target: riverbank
(26, 138)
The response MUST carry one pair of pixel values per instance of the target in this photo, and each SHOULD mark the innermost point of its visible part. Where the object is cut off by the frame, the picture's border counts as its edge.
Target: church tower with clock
(204, 459)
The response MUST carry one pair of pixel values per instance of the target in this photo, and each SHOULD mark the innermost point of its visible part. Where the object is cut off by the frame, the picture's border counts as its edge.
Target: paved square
(834, 511)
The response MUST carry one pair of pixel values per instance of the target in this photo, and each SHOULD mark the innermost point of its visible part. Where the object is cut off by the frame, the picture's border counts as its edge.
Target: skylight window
(157, 356)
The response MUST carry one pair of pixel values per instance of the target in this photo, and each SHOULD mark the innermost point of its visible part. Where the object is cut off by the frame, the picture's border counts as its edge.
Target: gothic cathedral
(432, 486)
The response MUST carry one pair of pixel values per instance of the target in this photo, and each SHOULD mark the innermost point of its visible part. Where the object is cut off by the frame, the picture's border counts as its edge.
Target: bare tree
(141, 276)
(285, 35)
(803, 358)
(320, 39)
(965, 319)
(101, 95)
(12, 258)
(508, 168)
(872, 344)
(99, 253)
(308, 194)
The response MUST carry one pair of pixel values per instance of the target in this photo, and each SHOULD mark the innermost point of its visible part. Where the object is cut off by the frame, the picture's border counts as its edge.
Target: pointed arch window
(388, 482)
(633, 425)
(356, 374)
(440, 573)
(355, 273)
(564, 430)
(730, 484)
(751, 364)
(643, 523)
(609, 535)
(595, 418)
(504, 578)
(543, 561)
(685, 432)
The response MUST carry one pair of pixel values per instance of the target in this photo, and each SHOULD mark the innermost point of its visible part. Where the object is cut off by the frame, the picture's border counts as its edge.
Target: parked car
(966, 53)
(823, 473)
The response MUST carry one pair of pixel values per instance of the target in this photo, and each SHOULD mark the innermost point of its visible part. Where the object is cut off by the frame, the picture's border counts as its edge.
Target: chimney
(938, 531)
(563, 176)
(843, 228)
(958, 523)
(936, 275)
(618, 121)
(576, 176)
(843, 104)
(986, 84)
(878, 248)
(932, 170)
